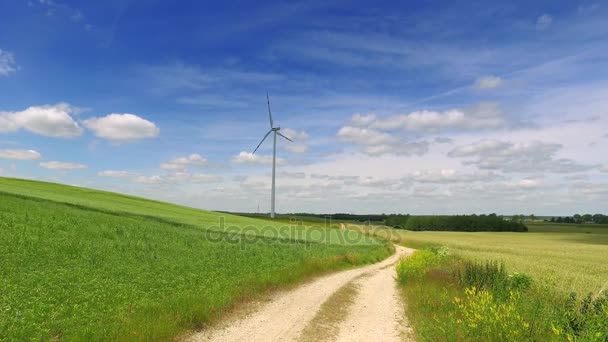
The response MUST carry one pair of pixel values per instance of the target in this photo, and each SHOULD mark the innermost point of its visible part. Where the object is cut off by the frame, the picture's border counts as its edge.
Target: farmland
(83, 264)
(491, 286)
(567, 257)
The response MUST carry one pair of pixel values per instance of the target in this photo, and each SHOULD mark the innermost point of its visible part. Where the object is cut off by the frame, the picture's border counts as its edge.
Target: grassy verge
(452, 299)
(73, 272)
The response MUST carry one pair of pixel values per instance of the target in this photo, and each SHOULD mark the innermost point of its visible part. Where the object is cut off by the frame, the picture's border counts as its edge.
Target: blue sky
(432, 107)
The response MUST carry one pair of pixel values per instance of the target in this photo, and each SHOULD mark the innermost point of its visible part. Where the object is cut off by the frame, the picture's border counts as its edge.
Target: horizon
(473, 107)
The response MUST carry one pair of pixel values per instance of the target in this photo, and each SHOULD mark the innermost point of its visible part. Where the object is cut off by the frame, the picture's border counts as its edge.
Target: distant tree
(532, 217)
(577, 218)
(587, 218)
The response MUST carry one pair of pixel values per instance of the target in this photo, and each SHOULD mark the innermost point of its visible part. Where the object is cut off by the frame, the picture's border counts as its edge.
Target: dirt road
(375, 312)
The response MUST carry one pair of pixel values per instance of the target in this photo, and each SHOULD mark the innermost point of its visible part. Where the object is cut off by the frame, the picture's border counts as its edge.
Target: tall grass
(458, 300)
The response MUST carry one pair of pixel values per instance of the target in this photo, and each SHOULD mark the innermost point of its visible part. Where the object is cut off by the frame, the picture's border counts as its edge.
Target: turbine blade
(269, 113)
(279, 133)
(260, 144)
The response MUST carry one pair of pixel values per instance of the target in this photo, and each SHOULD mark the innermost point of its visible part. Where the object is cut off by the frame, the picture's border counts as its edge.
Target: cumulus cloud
(7, 63)
(365, 136)
(250, 158)
(122, 127)
(48, 120)
(182, 163)
(369, 126)
(533, 156)
(19, 154)
(375, 143)
(544, 21)
(57, 165)
(487, 82)
(484, 115)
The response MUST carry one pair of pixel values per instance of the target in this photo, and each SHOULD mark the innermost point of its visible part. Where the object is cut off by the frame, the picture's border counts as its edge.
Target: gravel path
(376, 314)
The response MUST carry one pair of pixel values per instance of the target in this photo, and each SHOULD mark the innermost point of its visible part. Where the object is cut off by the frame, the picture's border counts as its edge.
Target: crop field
(81, 264)
(135, 206)
(566, 257)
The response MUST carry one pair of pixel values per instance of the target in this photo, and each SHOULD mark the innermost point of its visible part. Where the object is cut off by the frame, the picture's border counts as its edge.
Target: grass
(78, 264)
(459, 300)
(565, 257)
(126, 205)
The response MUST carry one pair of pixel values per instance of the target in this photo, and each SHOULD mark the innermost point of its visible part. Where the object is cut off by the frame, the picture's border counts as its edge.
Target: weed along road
(356, 305)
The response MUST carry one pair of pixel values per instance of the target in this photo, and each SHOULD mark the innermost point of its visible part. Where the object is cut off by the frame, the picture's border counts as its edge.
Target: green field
(548, 284)
(81, 264)
(567, 257)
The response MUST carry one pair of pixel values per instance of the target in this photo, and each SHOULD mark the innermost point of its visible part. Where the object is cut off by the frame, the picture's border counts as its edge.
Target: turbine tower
(275, 131)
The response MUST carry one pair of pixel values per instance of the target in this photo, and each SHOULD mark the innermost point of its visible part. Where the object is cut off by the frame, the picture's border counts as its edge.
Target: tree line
(463, 223)
(578, 218)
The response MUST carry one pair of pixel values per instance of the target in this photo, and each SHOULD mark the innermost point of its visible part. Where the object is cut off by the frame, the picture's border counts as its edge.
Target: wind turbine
(276, 132)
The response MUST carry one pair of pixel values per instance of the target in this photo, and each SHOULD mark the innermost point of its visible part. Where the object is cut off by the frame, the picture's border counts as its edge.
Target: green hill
(82, 264)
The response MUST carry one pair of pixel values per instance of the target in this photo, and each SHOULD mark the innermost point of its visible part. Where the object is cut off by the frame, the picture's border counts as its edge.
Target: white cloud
(176, 177)
(204, 178)
(533, 156)
(452, 176)
(297, 148)
(181, 164)
(122, 127)
(604, 168)
(483, 115)
(56, 165)
(544, 21)
(7, 63)
(148, 179)
(293, 134)
(401, 149)
(487, 82)
(375, 143)
(294, 175)
(300, 140)
(365, 136)
(48, 120)
(250, 158)
(116, 174)
(360, 120)
(19, 154)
